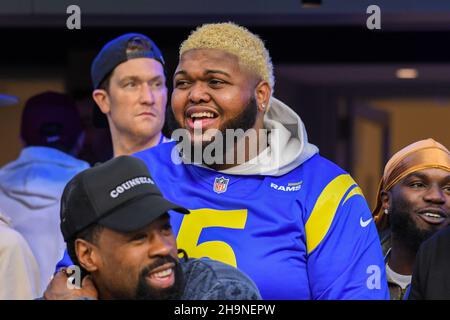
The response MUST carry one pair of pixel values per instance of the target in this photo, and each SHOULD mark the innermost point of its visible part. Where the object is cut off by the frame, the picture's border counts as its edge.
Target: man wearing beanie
(31, 186)
(413, 202)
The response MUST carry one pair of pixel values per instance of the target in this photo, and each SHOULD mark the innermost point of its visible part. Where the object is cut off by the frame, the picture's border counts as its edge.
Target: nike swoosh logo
(364, 223)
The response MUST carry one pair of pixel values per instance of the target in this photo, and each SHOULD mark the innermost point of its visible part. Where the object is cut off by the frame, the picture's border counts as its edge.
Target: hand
(58, 288)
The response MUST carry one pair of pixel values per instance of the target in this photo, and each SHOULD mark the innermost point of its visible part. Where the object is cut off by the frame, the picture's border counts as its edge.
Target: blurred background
(363, 94)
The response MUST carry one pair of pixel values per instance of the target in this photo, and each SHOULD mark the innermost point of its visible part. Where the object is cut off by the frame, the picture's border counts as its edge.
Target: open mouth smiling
(200, 117)
(163, 276)
(433, 216)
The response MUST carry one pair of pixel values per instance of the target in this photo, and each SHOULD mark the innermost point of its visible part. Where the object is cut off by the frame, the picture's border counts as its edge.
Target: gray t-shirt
(207, 279)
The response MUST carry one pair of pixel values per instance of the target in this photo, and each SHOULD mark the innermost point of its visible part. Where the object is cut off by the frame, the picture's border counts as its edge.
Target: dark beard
(404, 228)
(244, 121)
(146, 292)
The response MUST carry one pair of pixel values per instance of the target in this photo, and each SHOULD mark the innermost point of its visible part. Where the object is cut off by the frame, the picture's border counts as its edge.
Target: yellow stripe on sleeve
(326, 206)
(354, 192)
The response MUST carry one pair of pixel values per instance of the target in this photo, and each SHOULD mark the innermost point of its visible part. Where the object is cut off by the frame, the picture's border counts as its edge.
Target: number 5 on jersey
(199, 219)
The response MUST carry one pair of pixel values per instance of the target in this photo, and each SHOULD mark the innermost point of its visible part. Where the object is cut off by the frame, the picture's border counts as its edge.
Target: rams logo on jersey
(292, 186)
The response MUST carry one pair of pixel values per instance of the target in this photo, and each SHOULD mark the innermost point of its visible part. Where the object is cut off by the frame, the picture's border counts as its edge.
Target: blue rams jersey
(307, 234)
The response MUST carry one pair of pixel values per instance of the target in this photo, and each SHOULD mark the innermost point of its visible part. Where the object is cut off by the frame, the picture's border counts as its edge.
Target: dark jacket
(431, 275)
(213, 280)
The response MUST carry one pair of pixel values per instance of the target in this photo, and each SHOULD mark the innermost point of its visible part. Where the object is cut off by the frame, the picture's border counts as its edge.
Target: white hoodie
(288, 145)
(19, 272)
(30, 191)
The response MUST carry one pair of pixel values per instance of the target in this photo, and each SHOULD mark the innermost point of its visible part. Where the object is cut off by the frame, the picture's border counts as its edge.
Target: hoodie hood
(288, 144)
(38, 177)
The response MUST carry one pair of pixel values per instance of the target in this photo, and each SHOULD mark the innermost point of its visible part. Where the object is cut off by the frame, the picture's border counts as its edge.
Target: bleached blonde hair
(247, 46)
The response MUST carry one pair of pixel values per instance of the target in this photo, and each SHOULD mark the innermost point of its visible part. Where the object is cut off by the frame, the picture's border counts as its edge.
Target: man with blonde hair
(413, 202)
(266, 202)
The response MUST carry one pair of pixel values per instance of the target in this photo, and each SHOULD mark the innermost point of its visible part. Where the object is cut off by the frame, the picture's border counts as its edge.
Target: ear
(101, 98)
(262, 95)
(87, 255)
(385, 199)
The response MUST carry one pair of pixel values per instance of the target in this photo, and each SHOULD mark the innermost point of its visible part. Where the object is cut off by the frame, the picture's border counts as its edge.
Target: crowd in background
(406, 234)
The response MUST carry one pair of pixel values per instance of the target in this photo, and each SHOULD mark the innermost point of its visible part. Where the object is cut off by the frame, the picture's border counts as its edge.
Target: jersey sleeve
(64, 262)
(344, 256)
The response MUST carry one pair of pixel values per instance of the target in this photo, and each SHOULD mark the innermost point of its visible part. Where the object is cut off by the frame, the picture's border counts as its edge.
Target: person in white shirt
(31, 186)
(19, 272)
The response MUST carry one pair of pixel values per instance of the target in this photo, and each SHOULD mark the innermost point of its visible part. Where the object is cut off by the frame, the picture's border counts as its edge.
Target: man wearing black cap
(31, 185)
(130, 89)
(117, 229)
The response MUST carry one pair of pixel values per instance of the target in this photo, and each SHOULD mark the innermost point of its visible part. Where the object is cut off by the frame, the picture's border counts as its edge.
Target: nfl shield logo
(220, 185)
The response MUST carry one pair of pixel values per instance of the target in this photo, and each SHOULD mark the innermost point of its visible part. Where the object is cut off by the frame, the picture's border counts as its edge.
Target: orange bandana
(417, 156)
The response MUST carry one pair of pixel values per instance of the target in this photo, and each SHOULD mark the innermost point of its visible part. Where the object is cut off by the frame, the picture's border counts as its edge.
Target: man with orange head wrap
(413, 202)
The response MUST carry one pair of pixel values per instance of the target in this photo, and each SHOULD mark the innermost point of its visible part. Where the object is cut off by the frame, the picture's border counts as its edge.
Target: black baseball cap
(119, 194)
(116, 52)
